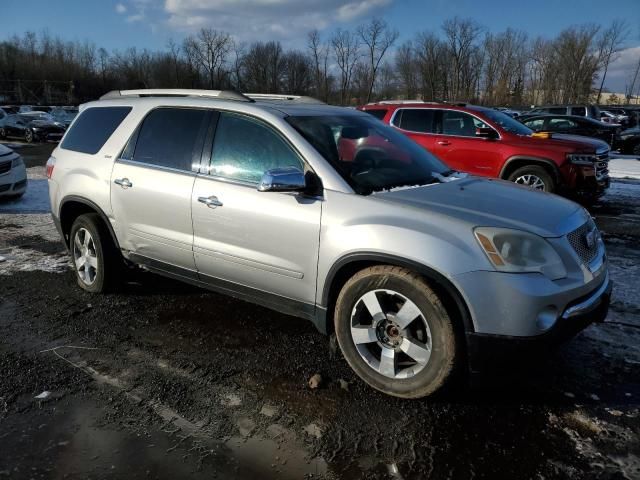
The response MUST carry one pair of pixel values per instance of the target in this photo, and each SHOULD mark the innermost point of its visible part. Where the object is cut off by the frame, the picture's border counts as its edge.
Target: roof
(280, 105)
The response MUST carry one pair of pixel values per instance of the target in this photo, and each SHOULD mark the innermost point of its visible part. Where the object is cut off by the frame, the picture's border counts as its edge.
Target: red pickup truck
(483, 141)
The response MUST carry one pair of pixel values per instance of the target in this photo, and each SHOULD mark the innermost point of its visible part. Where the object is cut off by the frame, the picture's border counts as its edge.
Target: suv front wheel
(394, 332)
(95, 258)
(535, 177)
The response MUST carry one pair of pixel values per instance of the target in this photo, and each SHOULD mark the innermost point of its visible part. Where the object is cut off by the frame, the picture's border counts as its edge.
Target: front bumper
(489, 350)
(13, 182)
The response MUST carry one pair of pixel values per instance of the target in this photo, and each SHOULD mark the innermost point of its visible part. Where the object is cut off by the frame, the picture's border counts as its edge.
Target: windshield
(368, 154)
(507, 123)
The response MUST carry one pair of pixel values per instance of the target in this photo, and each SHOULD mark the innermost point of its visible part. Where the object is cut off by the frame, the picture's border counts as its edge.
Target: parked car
(7, 110)
(630, 141)
(34, 108)
(610, 118)
(485, 142)
(31, 127)
(13, 174)
(512, 113)
(591, 111)
(64, 115)
(573, 125)
(416, 268)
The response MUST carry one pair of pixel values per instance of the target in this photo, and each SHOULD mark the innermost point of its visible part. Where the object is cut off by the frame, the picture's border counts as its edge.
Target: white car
(13, 174)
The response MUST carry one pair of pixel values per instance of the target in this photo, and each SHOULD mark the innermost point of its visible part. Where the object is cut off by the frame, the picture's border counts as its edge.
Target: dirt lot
(164, 380)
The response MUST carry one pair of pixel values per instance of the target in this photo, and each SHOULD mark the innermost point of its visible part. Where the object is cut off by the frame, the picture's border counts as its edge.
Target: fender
(94, 207)
(531, 158)
(383, 258)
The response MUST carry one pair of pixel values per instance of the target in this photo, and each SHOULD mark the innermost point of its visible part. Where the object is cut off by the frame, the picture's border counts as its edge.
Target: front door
(459, 147)
(151, 187)
(267, 241)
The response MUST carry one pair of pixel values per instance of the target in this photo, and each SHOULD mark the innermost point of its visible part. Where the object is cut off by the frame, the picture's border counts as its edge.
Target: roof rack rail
(281, 97)
(390, 102)
(177, 92)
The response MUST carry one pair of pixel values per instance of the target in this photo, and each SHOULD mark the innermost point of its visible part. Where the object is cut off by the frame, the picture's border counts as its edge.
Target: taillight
(51, 163)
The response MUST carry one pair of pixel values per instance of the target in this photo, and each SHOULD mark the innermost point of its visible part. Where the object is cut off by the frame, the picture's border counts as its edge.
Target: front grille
(602, 165)
(5, 167)
(578, 240)
(19, 185)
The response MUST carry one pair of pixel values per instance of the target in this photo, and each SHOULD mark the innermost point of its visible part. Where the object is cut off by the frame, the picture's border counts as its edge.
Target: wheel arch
(352, 263)
(518, 161)
(72, 207)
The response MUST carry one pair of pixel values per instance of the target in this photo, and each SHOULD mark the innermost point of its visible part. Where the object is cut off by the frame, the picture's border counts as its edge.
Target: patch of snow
(624, 166)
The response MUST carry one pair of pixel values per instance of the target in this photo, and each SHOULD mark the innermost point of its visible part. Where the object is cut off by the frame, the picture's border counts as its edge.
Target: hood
(44, 123)
(558, 142)
(494, 203)
(4, 151)
(596, 143)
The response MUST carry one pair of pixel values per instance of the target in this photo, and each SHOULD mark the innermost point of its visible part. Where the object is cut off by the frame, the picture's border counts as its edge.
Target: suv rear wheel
(95, 257)
(394, 332)
(533, 176)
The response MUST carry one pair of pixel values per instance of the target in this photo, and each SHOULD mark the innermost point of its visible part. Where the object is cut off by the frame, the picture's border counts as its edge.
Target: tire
(635, 150)
(98, 265)
(387, 335)
(3, 134)
(535, 177)
(29, 136)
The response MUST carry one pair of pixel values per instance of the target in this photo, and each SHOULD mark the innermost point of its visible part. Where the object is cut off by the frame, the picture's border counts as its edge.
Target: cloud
(621, 70)
(259, 19)
(120, 8)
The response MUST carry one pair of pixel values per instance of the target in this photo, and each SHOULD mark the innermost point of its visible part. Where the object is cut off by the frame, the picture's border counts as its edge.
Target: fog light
(547, 318)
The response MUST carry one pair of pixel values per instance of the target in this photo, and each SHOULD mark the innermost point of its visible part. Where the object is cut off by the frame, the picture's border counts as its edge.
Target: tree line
(461, 61)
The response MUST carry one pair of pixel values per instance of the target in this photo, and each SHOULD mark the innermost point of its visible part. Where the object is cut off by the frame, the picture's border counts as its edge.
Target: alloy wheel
(85, 256)
(28, 136)
(391, 334)
(532, 181)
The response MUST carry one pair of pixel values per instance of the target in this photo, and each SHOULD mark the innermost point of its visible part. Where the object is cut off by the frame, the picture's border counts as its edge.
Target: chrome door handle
(123, 182)
(444, 142)
(211, 202)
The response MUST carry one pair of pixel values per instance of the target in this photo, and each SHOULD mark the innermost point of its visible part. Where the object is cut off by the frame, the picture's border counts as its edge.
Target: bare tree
(377, 38)
(209, 49)
(460, 36)
(406, 66)
(320, 61)
(610, 43)
(346, 49)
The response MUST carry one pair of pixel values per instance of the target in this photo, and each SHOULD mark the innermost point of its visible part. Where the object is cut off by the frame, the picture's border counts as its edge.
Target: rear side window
(172, 138)
(416, 120)
(581, 111)
(557, 110)
(379, 114)
(93, 128)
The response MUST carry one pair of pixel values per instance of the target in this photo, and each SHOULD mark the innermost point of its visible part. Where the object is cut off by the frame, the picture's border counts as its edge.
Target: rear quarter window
(379, 114)
(93, 128)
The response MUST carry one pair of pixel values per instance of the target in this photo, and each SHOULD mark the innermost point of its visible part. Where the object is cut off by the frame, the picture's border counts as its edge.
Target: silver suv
(327, 214)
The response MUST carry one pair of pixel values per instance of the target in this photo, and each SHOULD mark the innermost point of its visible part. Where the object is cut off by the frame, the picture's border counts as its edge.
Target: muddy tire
(533, 176)
(96, 261)
(394, 332)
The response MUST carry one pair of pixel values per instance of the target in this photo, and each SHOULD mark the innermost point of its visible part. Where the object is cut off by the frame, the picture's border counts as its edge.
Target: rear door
(266, 241)
(151, 187)
(419, 124)
(459, 147)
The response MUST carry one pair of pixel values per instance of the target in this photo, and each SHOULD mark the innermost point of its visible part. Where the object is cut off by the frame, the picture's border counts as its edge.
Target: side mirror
(486, 132)
(288, 179)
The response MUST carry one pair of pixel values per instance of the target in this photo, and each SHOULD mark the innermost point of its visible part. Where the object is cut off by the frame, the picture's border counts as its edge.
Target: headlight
(516, 251)
(581, 158)
(16, 162)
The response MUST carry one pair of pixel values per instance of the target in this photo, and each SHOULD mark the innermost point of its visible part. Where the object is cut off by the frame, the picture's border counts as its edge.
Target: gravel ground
(164, 380)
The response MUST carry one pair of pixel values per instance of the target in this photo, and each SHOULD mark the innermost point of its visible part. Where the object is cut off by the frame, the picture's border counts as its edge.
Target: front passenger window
(244, 148)
(459, 124)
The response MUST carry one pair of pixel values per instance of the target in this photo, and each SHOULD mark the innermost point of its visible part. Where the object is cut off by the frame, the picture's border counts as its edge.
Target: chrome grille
(5, 167)
(578, 240)
(602, 165)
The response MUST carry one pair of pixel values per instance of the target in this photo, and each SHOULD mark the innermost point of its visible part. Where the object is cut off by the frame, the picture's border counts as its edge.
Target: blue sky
(118, 24)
